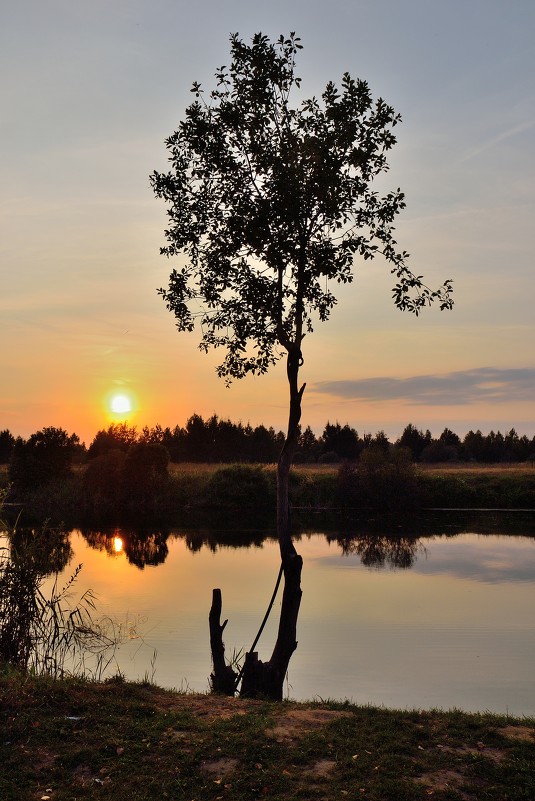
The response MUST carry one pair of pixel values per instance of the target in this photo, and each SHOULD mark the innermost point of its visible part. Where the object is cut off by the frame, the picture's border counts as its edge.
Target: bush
(240, 487)
(102, 484)
(384, 480)
(144, 478)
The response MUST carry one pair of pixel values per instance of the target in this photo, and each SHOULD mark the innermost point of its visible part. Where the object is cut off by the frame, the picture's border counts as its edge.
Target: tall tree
(270, 203)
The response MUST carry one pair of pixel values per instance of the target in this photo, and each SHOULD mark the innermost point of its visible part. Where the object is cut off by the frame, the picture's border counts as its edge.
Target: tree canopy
(270, 202)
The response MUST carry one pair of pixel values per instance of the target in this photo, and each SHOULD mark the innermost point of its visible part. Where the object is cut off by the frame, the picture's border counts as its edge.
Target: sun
(121, 404)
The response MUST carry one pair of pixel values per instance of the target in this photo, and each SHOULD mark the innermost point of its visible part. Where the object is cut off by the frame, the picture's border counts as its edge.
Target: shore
(75, 739)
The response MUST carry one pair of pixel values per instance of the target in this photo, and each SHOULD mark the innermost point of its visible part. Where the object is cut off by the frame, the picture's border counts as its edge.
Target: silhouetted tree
(263, 445)
(438, 451)
(308, 447)
(473, 446)
(270, 203)
(340, 441)
(118, 436)
(378, 443)
(7, 443)
(415, 440)
(47, 455)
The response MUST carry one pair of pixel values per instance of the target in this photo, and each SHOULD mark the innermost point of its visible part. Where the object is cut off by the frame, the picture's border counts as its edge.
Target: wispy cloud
(461, 388)
(510, 132)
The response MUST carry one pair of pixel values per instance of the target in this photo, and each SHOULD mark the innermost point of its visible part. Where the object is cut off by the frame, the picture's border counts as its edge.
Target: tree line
(216, 440)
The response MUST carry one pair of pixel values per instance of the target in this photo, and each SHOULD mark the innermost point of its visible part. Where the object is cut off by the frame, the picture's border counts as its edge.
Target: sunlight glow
(121, 404)
(117, 544)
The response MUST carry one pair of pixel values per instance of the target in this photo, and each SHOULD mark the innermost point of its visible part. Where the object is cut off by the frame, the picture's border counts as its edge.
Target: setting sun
(121, 404)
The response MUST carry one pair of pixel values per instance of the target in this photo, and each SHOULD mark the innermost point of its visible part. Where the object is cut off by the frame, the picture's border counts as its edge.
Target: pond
(440, 621)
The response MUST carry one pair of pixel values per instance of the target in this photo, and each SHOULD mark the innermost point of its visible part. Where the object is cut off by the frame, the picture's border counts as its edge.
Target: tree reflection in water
(382, 551)
(44, 551)
(141, 548)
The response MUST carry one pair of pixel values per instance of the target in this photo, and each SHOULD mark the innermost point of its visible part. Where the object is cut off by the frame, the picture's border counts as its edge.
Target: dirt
(518, 733)
(441, 780)
(211, 707)
(297, 722)
(220, 767)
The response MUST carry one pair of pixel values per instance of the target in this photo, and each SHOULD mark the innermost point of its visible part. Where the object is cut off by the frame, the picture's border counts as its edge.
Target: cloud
(461, 388)
(490, 143)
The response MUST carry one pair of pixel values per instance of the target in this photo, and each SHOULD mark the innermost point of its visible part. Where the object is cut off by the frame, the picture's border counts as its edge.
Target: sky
(88, 94)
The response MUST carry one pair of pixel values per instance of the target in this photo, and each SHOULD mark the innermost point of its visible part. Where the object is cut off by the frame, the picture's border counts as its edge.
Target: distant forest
(216, 440)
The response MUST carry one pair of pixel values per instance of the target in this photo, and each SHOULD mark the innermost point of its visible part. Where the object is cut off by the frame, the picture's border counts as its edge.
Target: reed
(47, 633)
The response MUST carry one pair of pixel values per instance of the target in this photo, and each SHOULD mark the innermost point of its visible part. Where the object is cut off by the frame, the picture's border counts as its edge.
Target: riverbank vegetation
(81, 739)
(144, 490)
(144, 477)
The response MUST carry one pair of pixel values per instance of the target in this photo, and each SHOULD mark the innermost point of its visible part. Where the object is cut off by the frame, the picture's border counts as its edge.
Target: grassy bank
(76, 740)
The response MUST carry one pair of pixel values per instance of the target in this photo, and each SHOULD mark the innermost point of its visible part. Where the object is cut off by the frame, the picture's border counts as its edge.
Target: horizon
(392, 435)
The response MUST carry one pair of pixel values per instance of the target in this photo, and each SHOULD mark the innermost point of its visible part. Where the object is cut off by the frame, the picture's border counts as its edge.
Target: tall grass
(48, 634)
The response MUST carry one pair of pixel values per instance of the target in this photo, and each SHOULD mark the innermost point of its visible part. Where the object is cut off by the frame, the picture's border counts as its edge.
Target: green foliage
(475, 490)
(240, 487)
(381, 479)
(271, 202)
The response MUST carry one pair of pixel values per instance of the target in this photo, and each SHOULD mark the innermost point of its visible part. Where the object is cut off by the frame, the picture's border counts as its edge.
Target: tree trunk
(267, 678)
(223, 679)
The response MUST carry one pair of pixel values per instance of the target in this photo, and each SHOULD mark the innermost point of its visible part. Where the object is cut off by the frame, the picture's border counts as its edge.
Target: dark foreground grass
(79, 740)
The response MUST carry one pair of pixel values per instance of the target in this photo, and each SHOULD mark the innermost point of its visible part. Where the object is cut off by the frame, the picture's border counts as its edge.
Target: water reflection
(141, 548)
(45, 550)
(403, 616)
(380, 552)
(379, 543)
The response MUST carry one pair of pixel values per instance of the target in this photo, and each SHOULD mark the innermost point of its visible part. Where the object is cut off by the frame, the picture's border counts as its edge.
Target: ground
(80, 740)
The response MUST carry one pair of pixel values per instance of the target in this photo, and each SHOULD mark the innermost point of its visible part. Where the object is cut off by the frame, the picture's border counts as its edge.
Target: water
(454, 629)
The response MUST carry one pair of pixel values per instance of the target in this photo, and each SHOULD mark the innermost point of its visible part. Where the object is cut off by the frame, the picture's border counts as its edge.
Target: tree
(46, 456)
(7, 443)
(270, 203)
(415, 440)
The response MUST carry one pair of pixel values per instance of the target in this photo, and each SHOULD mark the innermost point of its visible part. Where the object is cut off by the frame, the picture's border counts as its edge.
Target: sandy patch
(208, 706)
(321, 769)
(297, 722)
(524, 733)
(442, 780)
(220, 767)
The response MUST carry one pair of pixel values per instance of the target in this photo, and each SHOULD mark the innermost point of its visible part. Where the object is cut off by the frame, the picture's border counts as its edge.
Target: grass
(81, 740)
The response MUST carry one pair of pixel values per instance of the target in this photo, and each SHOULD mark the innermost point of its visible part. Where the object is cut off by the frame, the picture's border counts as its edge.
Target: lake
(442, 621)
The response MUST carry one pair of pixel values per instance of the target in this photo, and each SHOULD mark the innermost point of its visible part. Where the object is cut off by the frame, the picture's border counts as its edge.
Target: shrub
(239, 487)
(144, 478)
(102, 484)
(381, 479)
